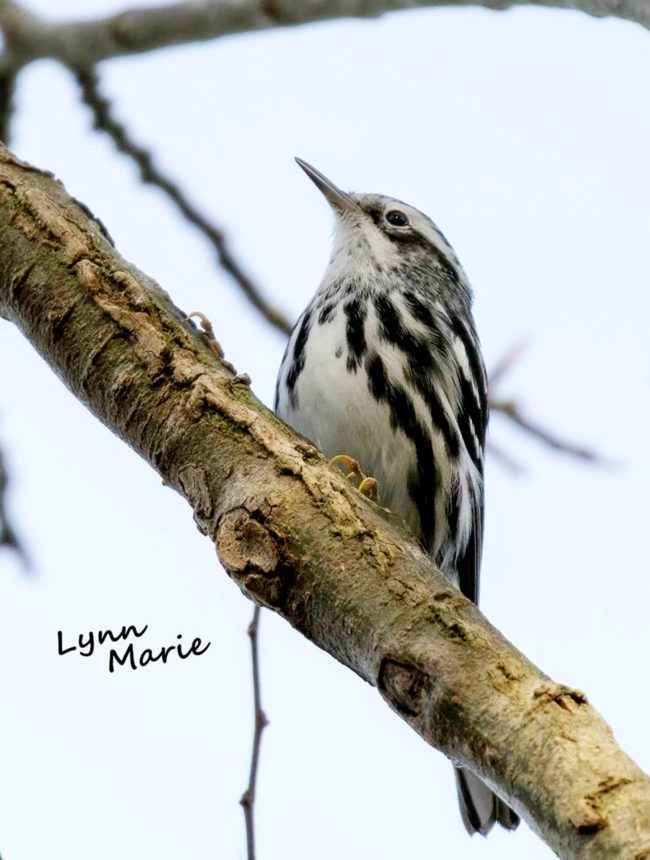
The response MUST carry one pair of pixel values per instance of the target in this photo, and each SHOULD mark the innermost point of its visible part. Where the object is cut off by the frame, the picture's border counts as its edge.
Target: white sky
(525, 135)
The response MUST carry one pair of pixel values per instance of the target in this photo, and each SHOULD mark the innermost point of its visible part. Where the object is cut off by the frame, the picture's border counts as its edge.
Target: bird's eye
(397, 218)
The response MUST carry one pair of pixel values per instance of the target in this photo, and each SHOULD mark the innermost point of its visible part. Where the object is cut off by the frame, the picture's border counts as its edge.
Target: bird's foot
(206, 332)
(367, 486)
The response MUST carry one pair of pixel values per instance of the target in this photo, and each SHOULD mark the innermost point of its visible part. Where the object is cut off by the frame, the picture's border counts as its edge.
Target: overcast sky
(525, 135)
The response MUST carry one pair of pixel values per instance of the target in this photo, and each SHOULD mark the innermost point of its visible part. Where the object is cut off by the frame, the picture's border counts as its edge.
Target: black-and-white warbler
(384, 366)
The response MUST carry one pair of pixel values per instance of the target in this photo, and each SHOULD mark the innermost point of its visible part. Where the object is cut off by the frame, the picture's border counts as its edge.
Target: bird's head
(377, 235)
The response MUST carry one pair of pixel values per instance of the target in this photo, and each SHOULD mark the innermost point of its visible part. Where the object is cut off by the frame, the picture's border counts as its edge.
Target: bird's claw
(349, 463)
(206, 332)
(367, 486)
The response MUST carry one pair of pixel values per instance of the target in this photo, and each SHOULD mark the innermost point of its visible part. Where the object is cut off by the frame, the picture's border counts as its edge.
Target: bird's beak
(338, 200)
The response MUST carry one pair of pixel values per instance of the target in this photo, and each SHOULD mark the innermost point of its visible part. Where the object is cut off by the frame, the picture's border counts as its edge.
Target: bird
(383, 372)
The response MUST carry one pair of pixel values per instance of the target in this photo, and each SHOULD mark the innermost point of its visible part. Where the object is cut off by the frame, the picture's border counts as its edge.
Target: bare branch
(7, 534)
(134, 31)
(260, 723)
(504, 457)
(105, 121)
(295, 536)
(506, 363)
(511, 410)
(7, 86)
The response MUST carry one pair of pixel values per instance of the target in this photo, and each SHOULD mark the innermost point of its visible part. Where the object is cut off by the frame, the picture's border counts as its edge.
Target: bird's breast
(347, 389)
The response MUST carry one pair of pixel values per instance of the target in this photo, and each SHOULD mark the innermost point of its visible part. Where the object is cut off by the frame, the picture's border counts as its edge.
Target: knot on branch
(249, 552)
(407, 688)
(565, 697)
(589, 816)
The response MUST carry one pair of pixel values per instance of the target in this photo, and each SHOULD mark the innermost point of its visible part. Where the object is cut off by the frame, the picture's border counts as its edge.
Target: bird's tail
(480, 807)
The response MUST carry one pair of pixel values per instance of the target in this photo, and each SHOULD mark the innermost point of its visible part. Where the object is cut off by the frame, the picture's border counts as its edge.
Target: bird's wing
(474, 405)
(470, 562)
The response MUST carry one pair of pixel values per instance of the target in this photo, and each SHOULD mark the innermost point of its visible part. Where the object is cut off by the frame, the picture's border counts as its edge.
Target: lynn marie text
(132, 654)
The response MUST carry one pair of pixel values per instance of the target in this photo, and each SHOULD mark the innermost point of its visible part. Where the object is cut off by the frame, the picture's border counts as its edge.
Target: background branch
(106, 122)
(293, 534)
(259, 724)
(512, 410)
(509, 408)
(7, 534)
(135, 31)
(7, 86)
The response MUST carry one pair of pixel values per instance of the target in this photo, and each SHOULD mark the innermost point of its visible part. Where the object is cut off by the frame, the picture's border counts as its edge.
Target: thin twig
(7, 535)
(248, 797)
(7, 86)
(131, 31)
(504, 457)
(511, 410)
(506, 362)
(105, 121)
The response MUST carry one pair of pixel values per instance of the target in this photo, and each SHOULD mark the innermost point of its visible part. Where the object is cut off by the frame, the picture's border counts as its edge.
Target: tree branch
(512, 410)
(84, 43)
(297, 538)
(7, 534)
(7, 86)
(260, 723)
